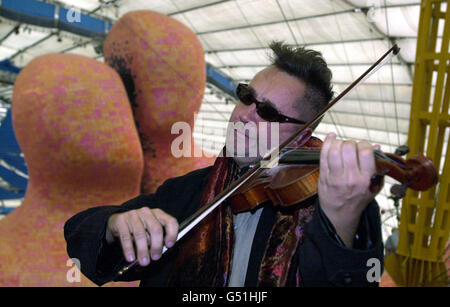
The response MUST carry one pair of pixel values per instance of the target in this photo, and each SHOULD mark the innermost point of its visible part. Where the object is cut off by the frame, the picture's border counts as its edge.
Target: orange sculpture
(162, 65)
(74, 124)
(73, 119)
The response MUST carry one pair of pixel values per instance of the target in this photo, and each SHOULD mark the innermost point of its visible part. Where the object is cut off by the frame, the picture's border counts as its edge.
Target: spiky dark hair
(308, 66)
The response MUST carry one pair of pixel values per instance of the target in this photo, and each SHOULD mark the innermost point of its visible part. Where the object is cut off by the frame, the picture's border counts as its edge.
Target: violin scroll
(418, 172)
(421, 173)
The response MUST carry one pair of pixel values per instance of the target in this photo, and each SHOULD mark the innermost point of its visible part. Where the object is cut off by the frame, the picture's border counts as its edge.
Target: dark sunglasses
(265, 109)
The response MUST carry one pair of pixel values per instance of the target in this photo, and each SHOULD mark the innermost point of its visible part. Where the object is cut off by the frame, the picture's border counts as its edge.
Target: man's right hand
(145, 228)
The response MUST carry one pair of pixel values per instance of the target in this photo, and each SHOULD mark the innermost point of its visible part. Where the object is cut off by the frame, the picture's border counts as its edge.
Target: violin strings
(381, 155)
(304, 156)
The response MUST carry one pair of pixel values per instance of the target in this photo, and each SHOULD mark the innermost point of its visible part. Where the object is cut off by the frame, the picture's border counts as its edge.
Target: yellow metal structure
(424, 224)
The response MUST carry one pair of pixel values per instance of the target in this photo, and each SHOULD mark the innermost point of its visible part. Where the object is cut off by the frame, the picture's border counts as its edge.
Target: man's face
(283, 91)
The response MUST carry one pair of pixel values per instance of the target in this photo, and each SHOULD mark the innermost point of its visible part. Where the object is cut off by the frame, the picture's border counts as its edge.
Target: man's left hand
(346, 168)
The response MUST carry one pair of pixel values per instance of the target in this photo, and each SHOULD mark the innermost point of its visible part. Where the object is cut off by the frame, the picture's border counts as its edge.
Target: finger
(323, 170)
(366, 158)
(140, 238)
(335, 163)
(126, 240)
(350, 156)
(303, 138)
(170, 225)
(155, 230)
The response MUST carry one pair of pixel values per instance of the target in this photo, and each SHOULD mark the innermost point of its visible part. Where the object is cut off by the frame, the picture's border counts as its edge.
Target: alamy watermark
(74, 273)
(374, 272)
(243, 140)
(73, 15)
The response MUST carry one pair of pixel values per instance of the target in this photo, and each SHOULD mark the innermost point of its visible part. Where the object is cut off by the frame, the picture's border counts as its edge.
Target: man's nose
(249, 114)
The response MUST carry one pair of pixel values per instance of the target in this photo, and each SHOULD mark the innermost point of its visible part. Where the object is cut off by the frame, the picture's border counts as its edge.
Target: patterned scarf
(206, 253)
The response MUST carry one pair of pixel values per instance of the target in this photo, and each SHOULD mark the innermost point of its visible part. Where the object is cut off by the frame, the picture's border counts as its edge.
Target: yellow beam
(424, 222)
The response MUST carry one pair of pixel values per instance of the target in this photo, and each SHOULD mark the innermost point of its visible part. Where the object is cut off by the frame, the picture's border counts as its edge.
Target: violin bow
(369, 72)
(271, 159)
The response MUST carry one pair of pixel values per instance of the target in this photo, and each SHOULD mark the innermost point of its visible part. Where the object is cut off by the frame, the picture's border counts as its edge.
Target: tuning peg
(402, 150)
(376, 181)
(398, 191)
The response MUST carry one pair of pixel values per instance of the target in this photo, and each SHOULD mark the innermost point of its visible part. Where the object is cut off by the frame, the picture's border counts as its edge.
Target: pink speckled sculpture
(73, 121)
(162, 65)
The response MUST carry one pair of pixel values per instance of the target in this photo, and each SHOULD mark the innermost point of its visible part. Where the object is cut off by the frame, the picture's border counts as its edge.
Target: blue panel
(6, 65)
(10, 153)
(5, 194)
(29, 11)
(219, 80)
(8, 139)
(6, 210)
(30, 7)
(13, 179)
(43, 14)
(84, 23)
(15, 161)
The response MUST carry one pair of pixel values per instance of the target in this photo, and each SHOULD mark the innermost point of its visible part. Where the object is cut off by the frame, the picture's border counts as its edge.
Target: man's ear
(302, 138)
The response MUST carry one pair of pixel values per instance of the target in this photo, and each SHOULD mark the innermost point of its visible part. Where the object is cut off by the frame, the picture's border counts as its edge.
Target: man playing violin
(326, 240)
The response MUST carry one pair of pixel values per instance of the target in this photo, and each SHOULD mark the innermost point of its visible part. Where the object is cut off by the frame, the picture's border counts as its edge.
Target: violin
(294, 182)
(296, 177)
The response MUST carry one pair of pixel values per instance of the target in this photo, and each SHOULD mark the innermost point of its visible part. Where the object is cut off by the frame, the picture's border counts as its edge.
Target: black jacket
(323, 260)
